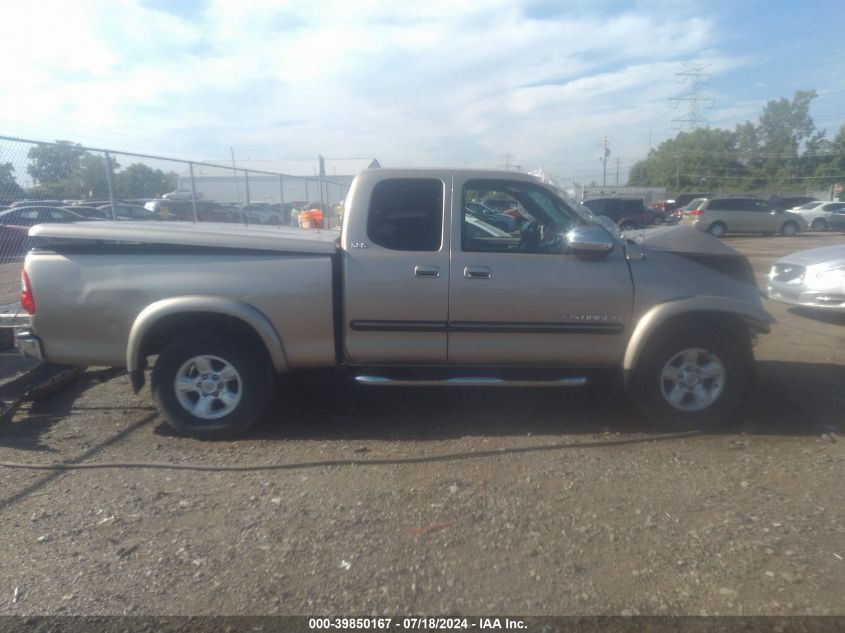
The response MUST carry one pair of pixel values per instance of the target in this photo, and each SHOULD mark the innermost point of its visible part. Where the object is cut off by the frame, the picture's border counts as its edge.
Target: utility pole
(617, 171)
(507, 156)
(605, 153)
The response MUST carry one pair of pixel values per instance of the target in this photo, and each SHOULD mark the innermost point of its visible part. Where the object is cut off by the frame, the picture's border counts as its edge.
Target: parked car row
(822, 216)
(628, 213)
(16, 222)
(735, 214)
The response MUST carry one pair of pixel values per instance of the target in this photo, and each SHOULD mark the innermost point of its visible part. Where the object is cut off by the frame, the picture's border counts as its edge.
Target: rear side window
(406, 214)
(723, 205)
(596, 206)
(630, 207)
(609, 207)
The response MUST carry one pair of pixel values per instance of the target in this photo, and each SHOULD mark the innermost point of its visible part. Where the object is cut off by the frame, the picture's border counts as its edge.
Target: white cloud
(410, 83)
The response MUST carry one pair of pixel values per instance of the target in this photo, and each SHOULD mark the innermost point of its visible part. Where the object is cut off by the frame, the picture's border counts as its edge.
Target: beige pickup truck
(419, 288)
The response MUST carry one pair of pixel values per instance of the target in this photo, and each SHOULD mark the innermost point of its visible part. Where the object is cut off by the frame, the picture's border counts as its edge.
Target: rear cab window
(406, 214)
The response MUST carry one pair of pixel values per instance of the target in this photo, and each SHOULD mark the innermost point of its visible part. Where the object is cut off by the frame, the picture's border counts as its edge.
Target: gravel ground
(748, 520)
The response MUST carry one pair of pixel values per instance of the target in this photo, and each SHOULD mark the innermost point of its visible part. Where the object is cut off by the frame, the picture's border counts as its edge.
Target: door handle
(481, 272)
(429, 272)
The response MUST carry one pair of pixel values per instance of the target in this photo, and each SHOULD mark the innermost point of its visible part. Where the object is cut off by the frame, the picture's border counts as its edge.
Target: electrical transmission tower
(694, 76)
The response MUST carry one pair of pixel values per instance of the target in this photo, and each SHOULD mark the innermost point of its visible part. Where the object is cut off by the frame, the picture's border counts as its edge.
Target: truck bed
(208, 234)
(92, 280)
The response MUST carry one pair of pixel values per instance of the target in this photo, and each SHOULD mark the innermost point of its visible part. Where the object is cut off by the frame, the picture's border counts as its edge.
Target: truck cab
(427, 282)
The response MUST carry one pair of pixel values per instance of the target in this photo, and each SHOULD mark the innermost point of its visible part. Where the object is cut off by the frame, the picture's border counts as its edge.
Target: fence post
(193, 192)
(307, 196)
(284, 217)
(324, 209)
(240, 208)
(246, 180)
(111, 188)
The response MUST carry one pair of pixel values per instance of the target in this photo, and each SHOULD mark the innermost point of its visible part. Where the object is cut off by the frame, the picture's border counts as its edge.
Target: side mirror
(589, 239)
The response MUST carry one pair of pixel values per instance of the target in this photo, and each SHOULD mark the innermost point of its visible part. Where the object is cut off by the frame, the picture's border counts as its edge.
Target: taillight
(27, 298)
(696, 212)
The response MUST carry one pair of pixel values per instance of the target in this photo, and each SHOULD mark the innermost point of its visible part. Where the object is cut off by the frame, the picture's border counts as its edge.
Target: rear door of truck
(396, 269)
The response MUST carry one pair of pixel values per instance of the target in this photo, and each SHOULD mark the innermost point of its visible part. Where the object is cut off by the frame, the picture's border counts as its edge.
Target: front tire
(818, 225)
(717, 229)
(692, 377)
(789, 229)
(210, 387)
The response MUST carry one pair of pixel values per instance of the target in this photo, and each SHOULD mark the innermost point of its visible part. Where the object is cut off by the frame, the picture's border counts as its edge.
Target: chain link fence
(66, 182)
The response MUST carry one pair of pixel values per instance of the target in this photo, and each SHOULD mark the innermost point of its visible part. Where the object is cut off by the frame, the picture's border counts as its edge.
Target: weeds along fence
(66, 182)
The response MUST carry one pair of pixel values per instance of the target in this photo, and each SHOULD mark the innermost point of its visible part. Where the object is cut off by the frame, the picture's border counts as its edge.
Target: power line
(760, 154)
(753, 176)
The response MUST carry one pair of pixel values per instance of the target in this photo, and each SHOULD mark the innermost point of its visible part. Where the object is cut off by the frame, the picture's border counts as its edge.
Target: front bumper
(28, 344)
(816, 299)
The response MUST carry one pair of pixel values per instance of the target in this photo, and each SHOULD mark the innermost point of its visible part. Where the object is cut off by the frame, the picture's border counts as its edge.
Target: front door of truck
(519, 299)
(396, 270)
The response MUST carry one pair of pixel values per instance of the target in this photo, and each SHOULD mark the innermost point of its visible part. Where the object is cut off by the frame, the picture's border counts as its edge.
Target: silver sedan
(813, 278)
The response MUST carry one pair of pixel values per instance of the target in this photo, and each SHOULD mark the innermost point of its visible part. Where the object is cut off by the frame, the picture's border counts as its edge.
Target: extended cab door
(396, 268)
(520, 299)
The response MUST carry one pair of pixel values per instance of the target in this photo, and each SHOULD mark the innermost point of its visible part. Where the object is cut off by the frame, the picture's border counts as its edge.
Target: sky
(527, 83)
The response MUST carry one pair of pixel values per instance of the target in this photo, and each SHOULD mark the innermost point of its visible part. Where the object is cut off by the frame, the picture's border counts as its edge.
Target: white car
(813, 278)
(817, 214)
(180, 194)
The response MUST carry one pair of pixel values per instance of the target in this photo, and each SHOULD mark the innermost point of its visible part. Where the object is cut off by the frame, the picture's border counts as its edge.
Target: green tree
(831, 162)
(785, 130)
(783, 150)
(89, 178)
(9, 187)
(701, 159)
(140, 181)
(53, 162)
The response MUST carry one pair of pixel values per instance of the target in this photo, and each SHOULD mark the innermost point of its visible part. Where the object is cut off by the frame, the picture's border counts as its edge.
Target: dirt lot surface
(603, 518)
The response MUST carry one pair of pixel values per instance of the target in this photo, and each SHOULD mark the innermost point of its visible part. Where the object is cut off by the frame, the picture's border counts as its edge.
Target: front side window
(537, 221)
(57, 215)
(406, 214)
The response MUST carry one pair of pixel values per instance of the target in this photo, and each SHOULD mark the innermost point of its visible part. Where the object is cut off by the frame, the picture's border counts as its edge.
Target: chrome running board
(470, 381)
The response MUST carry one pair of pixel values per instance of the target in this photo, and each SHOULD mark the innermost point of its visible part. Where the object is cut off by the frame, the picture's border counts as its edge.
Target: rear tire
(717, 229)
(692, 377)
(789, 229)
(209, 386)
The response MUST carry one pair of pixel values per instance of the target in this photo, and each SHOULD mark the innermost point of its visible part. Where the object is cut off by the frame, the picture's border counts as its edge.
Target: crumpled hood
(693, 244)
(681, 239)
